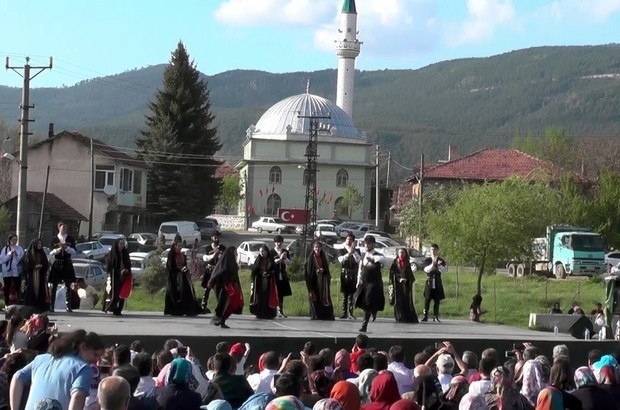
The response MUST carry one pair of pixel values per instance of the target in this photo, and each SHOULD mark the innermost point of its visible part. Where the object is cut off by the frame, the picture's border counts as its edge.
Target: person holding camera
(433, 288)
(10, 258)
(180, 298)
(318, 283)
(349, 259)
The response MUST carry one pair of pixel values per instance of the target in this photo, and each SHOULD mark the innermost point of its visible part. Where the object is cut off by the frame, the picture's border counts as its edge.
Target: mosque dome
(285, 114)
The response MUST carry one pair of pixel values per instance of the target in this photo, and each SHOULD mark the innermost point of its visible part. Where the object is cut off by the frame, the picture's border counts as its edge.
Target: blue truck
(565, 250)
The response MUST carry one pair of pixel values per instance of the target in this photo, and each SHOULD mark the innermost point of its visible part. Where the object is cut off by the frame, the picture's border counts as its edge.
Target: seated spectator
(445, 366)
(176, 394)
(342, 371)
(405, 404)
(504, 394)
(144, 365)
(287, 384)
(379, 361)
(402, 374)
(285, 403)
(383, 392)
(594, 356)
(470, 360)
(235, 388)
(239, 354)
(575, 309)
(218, 404)
(364, 361)
(113, 393)
(131, 375)
(365, 384)
(598, 310)
(490, 353)
(472, 401)
(13, 363)
(483, 385)
(591, 395)
(359, 348)
(560, 350)
(87, 294)
(257, 401)
(556, 395)
(327, 404)
(268, 367)
(459, 387)
(347, 395)
(555, 309)
(320, 387)
(533, 380)
(121, 356)
(328, 360)
(427, 391)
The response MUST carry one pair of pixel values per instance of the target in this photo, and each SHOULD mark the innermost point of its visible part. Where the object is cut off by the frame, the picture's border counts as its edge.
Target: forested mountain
(468, 102)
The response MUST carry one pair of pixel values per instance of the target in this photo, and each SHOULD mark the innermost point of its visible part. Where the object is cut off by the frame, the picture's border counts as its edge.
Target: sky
(94, 38)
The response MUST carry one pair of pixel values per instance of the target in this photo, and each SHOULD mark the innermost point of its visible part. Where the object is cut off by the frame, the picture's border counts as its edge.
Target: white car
(326, 232)
(270, 224)
(247, 252)
(92, 250)
(359, 230)
(93, 272)
(164, 254)
(108, 240)
(144, 238)
(139, 262)
(612, 258)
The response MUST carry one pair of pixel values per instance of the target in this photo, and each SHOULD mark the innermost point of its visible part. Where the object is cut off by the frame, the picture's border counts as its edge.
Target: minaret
(347, 48)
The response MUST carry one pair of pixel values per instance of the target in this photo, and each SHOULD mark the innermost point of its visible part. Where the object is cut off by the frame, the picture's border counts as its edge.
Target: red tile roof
(488, 164)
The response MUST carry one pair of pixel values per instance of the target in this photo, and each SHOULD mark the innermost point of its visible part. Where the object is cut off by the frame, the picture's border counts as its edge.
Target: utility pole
(312, 154)
(377, 187)
(420, 196)
(92, 190)
(387, 178)
(23, 142)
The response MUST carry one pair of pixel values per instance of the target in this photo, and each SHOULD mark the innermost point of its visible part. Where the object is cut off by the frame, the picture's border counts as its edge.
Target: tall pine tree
(179, 144)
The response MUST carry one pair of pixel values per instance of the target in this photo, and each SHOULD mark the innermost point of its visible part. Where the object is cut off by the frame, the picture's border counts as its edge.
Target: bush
(154, 278)
(296, 269)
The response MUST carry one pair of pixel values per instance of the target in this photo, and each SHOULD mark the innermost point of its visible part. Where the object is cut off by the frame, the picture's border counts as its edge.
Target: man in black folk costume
(281, 258)
(349, 259)
(211, 259)
(433, 288)
(369, 294)
(62, 270)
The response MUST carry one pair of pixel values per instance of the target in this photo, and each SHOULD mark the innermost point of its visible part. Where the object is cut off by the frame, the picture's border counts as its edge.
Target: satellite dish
(109, 190)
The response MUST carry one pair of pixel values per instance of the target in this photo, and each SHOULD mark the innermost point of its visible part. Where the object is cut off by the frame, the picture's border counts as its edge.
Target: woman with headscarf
(320, 387)
(180, 298)
(365, 383)
(383, 392)
(504, 394)
(285, 403)
(263, 293)
(327, 404)
(347, 395)
(556, 395)
(119, 268)
(459, 387)
(400, 290)
(342, 366)
(225, 281)
(607, 378)
(35, 266)
(405, 404)
(318, 279)
(177, 394)
(591, 395)
(533, 380)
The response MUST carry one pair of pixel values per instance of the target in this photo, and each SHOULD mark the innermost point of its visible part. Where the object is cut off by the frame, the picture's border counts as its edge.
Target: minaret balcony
(347, 48)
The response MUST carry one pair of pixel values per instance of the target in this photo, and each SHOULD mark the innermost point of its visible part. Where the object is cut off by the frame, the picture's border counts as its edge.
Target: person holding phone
(318, 279)
(62, 268)
(180, 297)
(10, 258)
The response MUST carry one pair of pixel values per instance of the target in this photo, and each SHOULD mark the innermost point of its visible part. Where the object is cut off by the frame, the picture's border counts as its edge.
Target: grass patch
(506, 300)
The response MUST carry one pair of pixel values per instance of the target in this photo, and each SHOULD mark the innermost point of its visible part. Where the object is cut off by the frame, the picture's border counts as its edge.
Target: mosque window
(275, 175)
(342, 178)
(274, 202)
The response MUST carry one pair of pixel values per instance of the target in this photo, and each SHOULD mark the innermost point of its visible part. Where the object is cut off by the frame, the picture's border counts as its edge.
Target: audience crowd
(42, 370)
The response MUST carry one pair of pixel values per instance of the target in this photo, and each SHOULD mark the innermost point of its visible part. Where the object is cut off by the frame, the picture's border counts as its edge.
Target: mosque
(273, 164)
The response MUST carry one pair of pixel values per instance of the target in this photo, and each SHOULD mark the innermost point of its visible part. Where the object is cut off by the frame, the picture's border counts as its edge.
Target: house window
(275, 175)
(342, 178)
(104, 175)
(273, 204)
(126, 179)
(137, 182)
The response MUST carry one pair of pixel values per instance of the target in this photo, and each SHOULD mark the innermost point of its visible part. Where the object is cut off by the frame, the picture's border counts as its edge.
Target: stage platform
(289, 335)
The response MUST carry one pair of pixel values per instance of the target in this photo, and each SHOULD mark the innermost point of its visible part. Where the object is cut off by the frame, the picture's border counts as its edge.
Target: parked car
(612, 259)
(417, 260)
(93, 250)
(295, 249)
(108, 240)
(97, 235)
(164, 254)
(187, 230)
(139, 262)
(343, 227)
(359, 230)
(207, 228)
(247, 252)
(271, 224)
(144, 238)
(377, 234)
(93, 272)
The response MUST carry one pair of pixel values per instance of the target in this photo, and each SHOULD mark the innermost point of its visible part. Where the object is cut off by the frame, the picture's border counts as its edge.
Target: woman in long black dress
(118, 264)
(264, 295)
(180, 296)
(318, 283)
(401, 284)
(225, 281)
(35, 267)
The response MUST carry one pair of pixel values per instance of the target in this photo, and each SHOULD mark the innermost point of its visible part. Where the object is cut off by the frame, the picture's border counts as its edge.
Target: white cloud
(285, 13)
(484, 17)
(401, 28)
(580, 10)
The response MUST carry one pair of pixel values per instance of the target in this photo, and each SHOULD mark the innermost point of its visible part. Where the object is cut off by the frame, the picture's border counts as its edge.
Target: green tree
(181, 181)
(556, 146)
(351, 201)
(602, 210)
(230, 194)
(493, 222)
(434, 200)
